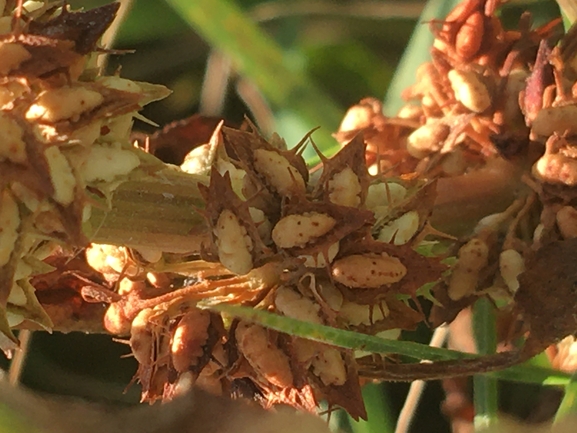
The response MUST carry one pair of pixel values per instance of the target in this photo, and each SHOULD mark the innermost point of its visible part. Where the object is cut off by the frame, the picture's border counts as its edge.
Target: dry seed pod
(298, 230)
(368, 270)
(189, 338)
(473, 256)
(267, 359)
(567, 222)
(330, 367)
(9, 224)
(233, 243)
(511, 265)
(470, 90)
(427, 139)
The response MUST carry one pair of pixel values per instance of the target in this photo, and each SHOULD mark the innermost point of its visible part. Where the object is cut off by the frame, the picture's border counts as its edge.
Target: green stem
(159, 211)
(569, 403)
(484, 386)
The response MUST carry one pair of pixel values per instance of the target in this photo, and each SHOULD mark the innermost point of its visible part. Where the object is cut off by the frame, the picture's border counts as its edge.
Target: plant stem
(568, 405)
(485, 391)
(159, 211)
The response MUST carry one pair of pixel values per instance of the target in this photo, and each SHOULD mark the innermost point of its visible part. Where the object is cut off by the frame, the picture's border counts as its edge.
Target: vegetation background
(310, 61)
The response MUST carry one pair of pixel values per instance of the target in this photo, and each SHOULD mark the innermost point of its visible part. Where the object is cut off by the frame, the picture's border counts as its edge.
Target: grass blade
(525, 373)
(256, 56)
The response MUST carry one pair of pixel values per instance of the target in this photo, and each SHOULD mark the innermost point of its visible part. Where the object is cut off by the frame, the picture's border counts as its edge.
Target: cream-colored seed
(345, 188)
(365, 271)
(189, 338)
(300, 229)
(141, 338)
(427, 139)
(63, 103)
(473, 256)
(567, 222)
(511, 265)
(556, 168)
(358, 314)
(233, 243)
(267, 359)
(555, 119)
(401, 230)
(293, 304)
(329, 366)
(9, 224)
(469, 90)
(11, 56)
(117, 83)
(13, 147)
(321, 259)
(61, 175)
(279, 173)
(106, 162)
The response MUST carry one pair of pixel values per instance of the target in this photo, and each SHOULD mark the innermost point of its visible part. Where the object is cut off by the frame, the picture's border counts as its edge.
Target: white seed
(368, 270)
(555, 119)
(267, 360)
(473, 256)
(11, 56)
(233, 243)
(567, 222)
(511, 265)
(329, 366)
(106, 162)
(9, 224)
(61, 175)
(358, 314)
(63, 103)
(321, 259)
(279, 173)
(401, 230)
(345, 188)
(198, 160)
(292, 304)
(470, 90)
(300, 229)
(13, 147)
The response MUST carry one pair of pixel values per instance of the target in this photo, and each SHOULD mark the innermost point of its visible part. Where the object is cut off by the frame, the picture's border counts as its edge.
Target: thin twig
(417, 387)
(17, 364)
(214, 85)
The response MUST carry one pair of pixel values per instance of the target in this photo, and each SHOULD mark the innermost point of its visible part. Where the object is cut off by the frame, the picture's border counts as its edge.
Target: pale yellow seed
(11, 56)
(292, 304)
(279, 173)
(107, 162)
(401, 230)
(555, 119)
(61, 175)
(345, 188)
(511, 265)
(9, 224)
(469, 90)
(427, 139)
(233, 243)
(63, 103)
(364, 271)
(329, 366)
(12, 147)
(473, 256)
(141, 338)
(385, 194)
(556, 168)
(189, 338)
(300, 229)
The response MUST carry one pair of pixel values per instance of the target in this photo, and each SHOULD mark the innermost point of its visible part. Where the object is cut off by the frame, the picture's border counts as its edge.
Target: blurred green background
(310, 62)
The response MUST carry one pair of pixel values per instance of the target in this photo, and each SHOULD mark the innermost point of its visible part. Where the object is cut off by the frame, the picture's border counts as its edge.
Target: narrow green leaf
(256, 56)
(569, 403)
(380, 419)
(485, 394)
(356, 341)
